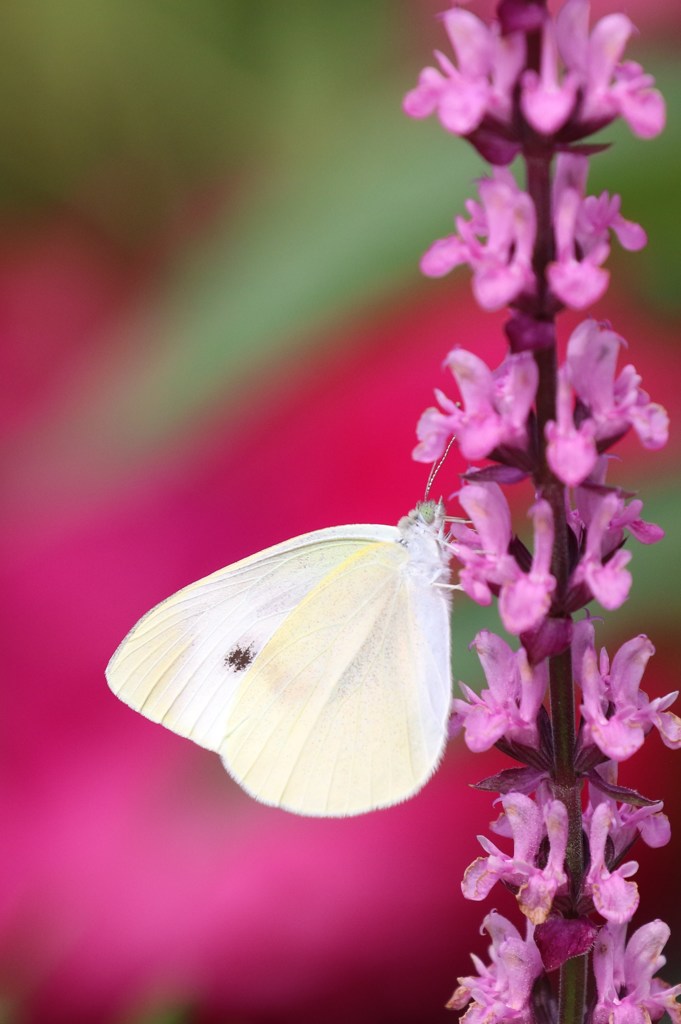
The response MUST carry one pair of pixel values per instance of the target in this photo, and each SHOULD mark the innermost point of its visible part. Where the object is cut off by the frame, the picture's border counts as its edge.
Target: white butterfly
(319, 669)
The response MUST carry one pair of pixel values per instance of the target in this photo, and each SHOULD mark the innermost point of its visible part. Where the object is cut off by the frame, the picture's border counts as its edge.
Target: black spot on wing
(239, 658)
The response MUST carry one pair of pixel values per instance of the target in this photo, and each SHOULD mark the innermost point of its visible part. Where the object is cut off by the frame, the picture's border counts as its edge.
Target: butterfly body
(318, 669)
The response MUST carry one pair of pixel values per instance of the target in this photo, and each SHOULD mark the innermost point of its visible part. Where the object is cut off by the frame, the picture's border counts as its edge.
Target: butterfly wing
(182, 663)
(345, 708)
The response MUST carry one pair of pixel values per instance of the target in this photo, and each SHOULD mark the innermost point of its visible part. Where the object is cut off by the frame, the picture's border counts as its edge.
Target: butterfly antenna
(436, 468)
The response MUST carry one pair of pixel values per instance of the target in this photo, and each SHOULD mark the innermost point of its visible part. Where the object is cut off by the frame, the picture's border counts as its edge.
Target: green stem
(572, 990)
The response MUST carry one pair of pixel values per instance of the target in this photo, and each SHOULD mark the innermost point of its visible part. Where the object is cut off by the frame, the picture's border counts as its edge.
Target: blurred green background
(214, 335)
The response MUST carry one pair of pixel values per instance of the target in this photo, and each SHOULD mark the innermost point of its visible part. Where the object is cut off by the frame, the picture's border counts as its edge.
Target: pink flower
(571, 450)
(614, 898)
(483, 550)
(525, 601)
(605, 574)
(627, 991)
(496, 242)
(588, 498)
(641, 106)
(481, 84)
(630, 822)
(607, 407)
(618, 715)
(435, 428)
(477, 92)
(509, 707)
(648, 822)
(524, 598)
(502, 991)
(536, 886)
(613, 404)
(496, 404)
(599, 519)
(582, 228)
(547, 101)
(609, 89)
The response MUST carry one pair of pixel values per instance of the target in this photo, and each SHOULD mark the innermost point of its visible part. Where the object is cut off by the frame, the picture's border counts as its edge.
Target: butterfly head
(428, 517)
(422, 532)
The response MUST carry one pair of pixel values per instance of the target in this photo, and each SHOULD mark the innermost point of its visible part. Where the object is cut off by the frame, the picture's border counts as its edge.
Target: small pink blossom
(510, 705)
(496, 404)
(537, 887)
(548, 98)
(641, 105)
(629, 822)
(480, 85)
(626, 515)
(582, 226)
(589, 518)
(496, 242)
(613, 403)
(571, 450)
(618, 715)
(649, 822)
(614, 898)
(435, 428)
(608, 405)
(501, 992)
(483, 550)
(627, 991)
(605, 574)
(524, 598)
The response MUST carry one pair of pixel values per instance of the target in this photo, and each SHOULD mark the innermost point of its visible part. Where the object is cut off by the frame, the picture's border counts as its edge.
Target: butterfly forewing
(345, 708)
(182, 663)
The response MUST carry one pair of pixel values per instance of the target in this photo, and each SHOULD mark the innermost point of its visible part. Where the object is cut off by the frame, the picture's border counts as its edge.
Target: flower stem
(565, 784)
(572, 990)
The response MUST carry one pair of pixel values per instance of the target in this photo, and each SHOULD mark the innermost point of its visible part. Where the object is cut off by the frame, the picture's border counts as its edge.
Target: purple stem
(565, 784)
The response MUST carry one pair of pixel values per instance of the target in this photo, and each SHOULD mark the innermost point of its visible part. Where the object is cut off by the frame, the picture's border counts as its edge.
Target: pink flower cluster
(496, 242)
(490, 569)
(540, 883)
(617, 714)
(581, 86)
(496, 407)
(497, 420)
(492, 98)
(627, 991)
(509, 708)
(594, 408)
(502, 991)
(535, 886)
(494, 563)
(498, 239)
(534, 85)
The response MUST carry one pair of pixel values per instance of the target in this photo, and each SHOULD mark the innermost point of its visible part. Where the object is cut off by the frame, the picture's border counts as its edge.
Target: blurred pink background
(214, 336)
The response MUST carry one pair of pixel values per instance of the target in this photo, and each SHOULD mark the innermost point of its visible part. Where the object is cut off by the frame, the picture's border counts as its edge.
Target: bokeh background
(215, 336)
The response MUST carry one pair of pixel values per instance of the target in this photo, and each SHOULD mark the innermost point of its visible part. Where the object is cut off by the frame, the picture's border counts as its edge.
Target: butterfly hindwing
(345, 707)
